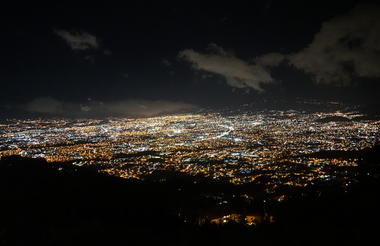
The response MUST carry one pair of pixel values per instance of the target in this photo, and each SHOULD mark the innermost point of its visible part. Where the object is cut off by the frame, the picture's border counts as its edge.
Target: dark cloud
(347, 46)
(236, 72)
(166, 62)
(270, 60)
(126, 108)
(45, 105)
(78, 40)
(90, 58)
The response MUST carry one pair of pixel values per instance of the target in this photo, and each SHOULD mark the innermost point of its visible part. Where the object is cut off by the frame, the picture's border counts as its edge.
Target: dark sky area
(119, 58)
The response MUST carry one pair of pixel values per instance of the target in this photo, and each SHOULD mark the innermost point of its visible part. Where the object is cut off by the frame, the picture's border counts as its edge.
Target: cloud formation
(347, 46)
(270, 60)
(166, 62)
(127, 108)
(78, 40)
(237, 72)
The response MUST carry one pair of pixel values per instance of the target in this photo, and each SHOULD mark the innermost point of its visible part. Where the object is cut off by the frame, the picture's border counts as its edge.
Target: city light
(272, 147)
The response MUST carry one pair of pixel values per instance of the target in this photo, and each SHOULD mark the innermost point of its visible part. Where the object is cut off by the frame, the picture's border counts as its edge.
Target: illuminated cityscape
(271, 148)
(145, 123)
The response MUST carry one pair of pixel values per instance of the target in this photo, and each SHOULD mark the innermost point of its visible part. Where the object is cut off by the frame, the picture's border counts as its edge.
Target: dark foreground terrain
(61, 204)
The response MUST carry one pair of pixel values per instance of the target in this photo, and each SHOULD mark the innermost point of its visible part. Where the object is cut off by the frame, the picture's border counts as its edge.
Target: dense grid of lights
(268, 147)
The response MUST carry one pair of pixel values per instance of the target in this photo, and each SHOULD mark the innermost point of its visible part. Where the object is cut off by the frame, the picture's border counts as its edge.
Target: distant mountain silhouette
(371, 155)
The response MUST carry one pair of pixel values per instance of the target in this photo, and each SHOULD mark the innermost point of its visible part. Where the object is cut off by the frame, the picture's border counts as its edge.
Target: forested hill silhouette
(61, 204)
(333, 119)
(367, 155)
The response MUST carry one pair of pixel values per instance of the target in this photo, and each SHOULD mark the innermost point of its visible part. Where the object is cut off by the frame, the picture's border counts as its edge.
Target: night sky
(142, 57)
